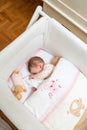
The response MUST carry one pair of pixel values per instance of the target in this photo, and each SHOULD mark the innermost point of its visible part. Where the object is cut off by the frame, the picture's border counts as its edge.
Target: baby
(38, 72)
(38, 69)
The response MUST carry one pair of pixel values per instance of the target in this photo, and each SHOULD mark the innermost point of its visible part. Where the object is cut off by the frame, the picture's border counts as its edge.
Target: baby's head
(35, 65)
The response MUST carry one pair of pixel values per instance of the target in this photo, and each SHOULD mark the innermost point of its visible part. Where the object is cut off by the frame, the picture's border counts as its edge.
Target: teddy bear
(18, 84)
(18, 89)
(79, 106)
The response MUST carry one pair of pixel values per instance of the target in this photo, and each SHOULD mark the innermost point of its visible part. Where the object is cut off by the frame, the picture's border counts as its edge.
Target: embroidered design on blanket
(76, 107)
(52, 88)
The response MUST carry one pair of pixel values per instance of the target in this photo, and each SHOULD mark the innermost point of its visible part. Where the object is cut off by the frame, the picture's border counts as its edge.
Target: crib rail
(38, 12)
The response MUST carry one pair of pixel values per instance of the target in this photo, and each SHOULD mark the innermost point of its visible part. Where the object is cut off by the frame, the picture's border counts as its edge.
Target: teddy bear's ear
(16, 72)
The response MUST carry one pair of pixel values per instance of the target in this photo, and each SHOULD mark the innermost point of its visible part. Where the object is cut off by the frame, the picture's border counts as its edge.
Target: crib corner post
(35, 16)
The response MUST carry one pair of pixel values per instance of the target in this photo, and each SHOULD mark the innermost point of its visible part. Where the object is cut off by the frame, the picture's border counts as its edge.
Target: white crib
(45, 33)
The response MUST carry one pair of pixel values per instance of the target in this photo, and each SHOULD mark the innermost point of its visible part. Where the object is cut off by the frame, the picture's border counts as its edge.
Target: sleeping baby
(40, 70)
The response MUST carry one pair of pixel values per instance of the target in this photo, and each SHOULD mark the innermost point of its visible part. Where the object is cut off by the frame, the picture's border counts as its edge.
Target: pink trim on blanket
(58, 103)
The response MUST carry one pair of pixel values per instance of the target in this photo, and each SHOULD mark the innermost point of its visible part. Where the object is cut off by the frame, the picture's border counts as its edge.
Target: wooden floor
(14, 17)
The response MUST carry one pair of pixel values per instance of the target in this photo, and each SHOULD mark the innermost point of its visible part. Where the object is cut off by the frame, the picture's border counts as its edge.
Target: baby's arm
(55, 60)
(48, 68)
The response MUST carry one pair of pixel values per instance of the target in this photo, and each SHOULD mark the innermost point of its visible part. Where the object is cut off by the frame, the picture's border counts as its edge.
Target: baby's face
(37, 69)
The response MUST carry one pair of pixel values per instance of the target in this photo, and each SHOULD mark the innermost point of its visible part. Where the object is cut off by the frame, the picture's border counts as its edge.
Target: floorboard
(14, 18)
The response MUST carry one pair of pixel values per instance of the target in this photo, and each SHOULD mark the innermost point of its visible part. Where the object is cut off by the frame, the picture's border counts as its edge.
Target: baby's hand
(34, 89)
(31, 77)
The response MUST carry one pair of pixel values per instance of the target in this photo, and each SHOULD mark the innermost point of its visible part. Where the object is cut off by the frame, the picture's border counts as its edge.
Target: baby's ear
(41, 65)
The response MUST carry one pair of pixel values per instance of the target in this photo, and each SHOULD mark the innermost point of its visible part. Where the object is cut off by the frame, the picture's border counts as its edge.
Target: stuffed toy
(18, 89)
(77, 103)
(18, 84)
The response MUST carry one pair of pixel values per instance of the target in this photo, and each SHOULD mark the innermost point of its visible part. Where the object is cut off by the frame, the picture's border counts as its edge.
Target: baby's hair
(34, 61)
